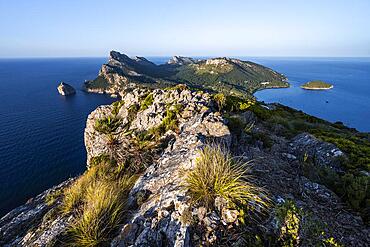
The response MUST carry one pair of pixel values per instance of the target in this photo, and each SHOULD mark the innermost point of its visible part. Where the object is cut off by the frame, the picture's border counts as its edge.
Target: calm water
(41, 132)
(348, 101)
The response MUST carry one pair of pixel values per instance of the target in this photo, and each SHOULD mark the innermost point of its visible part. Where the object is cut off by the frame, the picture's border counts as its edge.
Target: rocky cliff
(154, 139)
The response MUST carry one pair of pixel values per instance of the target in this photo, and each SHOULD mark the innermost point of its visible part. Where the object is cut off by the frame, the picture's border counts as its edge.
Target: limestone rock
(323, 153)
(65, 89)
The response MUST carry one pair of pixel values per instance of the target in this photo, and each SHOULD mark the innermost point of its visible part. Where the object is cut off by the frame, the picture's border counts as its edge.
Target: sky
(80, 28)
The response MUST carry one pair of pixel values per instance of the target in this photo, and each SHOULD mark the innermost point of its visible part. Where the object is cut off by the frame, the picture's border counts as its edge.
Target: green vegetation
(317, 85)
(52, 196)
(117, 106)
(229, 76)
(220, 100)
(169, 122)
(216, 174)
(98, 83)
(148, 101)
(298, 227)
(107, 125)
(289, 220)
(352, 186)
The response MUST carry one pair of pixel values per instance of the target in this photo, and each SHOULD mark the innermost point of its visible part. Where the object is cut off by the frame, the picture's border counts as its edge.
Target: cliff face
(157, 135)
(219, 74)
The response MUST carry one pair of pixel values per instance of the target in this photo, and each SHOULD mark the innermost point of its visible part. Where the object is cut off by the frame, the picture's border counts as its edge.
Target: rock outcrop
(65, 89)
(179, 60)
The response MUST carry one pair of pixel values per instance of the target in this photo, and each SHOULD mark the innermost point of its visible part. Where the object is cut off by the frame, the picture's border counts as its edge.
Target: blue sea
(41, 132)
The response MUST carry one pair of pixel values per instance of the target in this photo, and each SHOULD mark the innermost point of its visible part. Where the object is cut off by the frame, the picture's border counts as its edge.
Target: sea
(41, 132)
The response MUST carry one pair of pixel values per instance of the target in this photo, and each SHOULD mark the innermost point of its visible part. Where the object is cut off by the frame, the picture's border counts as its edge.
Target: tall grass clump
(217, 174)
(103, 209)
(74, 194)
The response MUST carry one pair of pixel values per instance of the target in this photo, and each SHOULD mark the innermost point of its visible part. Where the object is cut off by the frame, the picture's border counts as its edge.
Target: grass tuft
(104, 206)
(217, 174)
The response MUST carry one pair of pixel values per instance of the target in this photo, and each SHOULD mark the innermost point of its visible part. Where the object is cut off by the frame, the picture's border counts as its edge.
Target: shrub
(170, 122)
(52, 196)
(148, 101)
(220, 100)
(216, 174)
(236, 104)
(289, 218)
(116, 107)
(107, 125)
(102, 158)
(132, 112)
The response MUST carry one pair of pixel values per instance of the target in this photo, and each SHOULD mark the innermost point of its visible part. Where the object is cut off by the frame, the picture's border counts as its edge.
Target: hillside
(177, 167)
(231, 76)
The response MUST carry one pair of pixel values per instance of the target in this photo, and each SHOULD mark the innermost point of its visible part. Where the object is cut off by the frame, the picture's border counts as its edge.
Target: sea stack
(66, 89)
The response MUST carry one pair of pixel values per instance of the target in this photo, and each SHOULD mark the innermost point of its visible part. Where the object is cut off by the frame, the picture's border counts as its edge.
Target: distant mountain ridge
(231, 76)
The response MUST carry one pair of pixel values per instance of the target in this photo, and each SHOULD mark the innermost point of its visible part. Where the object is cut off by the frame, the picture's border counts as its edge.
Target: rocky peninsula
(214, 75)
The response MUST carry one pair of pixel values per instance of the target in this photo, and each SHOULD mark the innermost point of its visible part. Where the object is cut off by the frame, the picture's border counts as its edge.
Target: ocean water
(347, 102)
(41, 132)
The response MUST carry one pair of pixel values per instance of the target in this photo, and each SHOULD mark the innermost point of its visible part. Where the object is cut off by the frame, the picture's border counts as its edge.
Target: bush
(148, 101)
(107, 125)
(216, 174)
(116, 107)
(236, 104)
(220, 100)
(289, 218)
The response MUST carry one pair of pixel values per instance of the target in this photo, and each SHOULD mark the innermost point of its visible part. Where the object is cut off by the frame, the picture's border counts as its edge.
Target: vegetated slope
(226, 75)
(177, 167)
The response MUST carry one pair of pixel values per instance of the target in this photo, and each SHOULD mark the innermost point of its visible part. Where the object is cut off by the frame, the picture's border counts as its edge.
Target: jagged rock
(27, 224)
(322, 153)
(65, 89)
(178, 60)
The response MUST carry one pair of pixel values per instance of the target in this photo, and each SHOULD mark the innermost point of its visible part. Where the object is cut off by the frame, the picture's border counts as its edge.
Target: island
(65, 89)
(317, 85)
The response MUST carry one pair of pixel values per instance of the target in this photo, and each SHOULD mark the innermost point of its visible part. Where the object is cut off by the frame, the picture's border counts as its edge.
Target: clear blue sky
(37, 28)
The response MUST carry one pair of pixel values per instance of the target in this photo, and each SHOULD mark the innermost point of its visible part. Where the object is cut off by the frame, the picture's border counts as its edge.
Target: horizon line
(199, 56)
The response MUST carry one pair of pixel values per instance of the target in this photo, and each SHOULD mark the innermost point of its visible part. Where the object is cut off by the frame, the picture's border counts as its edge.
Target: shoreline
(317, 88)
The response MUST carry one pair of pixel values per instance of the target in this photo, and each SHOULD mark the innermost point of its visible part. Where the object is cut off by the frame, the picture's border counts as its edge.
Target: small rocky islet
(303, 183)
(65, 89)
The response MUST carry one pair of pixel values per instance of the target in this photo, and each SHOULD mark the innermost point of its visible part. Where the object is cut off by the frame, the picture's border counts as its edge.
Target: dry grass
(103, 209)
(74, 194)
(217, 174)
